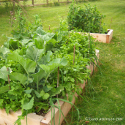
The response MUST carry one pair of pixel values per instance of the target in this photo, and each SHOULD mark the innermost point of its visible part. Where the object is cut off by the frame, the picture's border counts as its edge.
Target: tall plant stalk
(8, 79)
(57, 80)
(74, 56)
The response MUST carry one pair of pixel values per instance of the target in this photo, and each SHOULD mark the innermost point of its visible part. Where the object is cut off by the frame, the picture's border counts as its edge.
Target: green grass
(49, 16)
(104, 95)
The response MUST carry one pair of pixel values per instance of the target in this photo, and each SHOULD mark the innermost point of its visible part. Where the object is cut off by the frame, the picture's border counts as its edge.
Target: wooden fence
(56, 2)
(39, 2)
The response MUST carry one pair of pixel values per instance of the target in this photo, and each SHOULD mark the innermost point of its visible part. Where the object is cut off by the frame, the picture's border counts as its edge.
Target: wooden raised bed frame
(105, 38)
(33, 119)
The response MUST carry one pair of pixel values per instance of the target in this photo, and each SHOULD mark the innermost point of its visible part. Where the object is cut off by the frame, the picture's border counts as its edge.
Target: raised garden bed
(105, 38)
(33, 119)
(38, 69)
(89, 20)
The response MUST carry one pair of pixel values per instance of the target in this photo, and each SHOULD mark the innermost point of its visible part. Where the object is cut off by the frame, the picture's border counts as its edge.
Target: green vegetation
(30, 61)
(105, 96)
(85, 19)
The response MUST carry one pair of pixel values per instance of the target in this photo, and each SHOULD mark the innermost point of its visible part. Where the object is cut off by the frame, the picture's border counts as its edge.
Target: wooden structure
(105, 38)
(33, 119)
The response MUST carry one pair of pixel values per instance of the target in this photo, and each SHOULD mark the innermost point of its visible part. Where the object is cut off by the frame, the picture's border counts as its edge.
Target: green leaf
(34, 53)
(13, 43)
(4, 73)
(18, 77)
(44, 95)
(47, 88)
(14, 56)
(54, 64)
(1, 102)
(59, 37)
(4, 89)
(48, 68)
(47, 36)
(38, 76)
(27, 64)
(39, 42)
(70, 97)
(63, 61)
(29, 104)
(37, 94)
(59, 62)
(72, 79)
(40, 31)
(25, 41)
(4, 51)
(53, 41)
(57, 91)
(42, 40)
(45, 59)
(28, 91)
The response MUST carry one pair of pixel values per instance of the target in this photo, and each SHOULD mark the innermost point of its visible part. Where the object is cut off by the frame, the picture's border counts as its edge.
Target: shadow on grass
(115, 39)
(5, 8)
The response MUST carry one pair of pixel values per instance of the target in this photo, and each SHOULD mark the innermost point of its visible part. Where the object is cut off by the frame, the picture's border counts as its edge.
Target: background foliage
(87, 19)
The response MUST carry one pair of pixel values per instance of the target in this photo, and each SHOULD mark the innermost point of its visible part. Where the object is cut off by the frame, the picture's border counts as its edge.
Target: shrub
(85, 18)
(56, 3)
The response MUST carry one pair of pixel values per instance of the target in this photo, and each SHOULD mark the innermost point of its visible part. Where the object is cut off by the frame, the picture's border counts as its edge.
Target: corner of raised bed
(104, 38)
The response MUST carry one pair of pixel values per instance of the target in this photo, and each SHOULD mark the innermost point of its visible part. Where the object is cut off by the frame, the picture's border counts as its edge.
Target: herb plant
(87, 19)
(30, 62)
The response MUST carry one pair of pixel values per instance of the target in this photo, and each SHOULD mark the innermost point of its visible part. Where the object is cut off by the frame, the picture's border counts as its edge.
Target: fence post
(13, 6)
(47, 1)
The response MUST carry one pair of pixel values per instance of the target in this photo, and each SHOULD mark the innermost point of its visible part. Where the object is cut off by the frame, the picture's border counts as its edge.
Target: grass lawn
(103, 101)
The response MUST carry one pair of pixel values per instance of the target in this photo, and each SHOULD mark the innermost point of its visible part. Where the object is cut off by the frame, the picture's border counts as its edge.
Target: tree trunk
(33, 2)
(47, 1)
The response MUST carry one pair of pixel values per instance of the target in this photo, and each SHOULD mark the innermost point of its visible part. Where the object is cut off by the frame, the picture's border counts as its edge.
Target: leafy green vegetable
(4, 89)
(34, 53)
(3, 73)
(44, 95)
(27, 64)
(28, 105)
(38, 76)
(18, 77)
(3, 52)
(1, 102)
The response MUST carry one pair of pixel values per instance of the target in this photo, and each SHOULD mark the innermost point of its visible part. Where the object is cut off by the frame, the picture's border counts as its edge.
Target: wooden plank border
(9, 119)
(105, 38)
